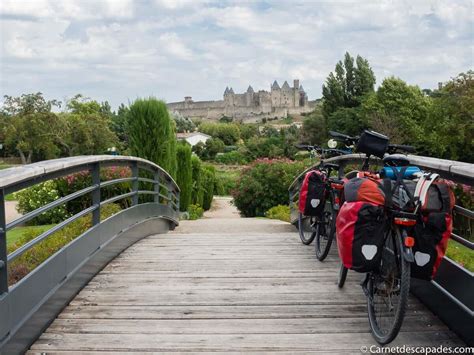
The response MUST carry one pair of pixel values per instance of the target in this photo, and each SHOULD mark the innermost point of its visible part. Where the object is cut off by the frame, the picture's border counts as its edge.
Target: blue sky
(119, 50)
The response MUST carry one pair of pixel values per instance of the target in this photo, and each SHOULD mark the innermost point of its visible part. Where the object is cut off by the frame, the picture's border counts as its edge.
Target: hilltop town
(249, 106)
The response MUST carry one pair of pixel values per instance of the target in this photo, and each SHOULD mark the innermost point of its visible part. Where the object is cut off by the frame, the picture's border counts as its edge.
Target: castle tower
(296, 93)
(275, 95)
(249, 96)
(287, 97)
(229, 102)
(303, 97)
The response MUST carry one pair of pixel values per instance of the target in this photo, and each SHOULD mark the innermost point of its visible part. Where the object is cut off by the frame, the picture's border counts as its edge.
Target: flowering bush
(264, 184)
(37, 196)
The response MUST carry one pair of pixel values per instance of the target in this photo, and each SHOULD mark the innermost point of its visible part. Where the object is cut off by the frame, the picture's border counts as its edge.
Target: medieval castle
(249, 106)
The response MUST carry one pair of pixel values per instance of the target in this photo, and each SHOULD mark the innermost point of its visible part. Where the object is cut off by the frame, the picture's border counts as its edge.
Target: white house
(193, 138)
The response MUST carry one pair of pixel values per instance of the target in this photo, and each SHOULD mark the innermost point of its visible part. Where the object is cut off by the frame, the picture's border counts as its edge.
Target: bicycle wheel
(387, 291)
(306, 228)
(325, 231)
(342, 276)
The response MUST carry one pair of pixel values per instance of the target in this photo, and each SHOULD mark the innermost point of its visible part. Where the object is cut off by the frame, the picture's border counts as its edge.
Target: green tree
(212, 147)
(227, 132)
(208, 179)
(198, 188)
(184, 175)
(314, 128)
(151, 132)
(449, 129)
(344, 91)
(398, 110)
(27, 104)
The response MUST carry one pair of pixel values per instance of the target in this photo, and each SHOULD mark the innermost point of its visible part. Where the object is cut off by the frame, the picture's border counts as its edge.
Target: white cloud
(121, 49)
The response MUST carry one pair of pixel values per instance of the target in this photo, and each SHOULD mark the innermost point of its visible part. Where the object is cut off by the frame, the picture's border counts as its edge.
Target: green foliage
(233, 157)
(265, 184)
(208, 180)
(183, 124)
(281, 212)
(197, 197)
(209, 150)
(118, 125)
(314, 128)
(449, 129)
(184, 176)
(397, 110)
(151, 133)
(226, 181)
(248, 130)
(461, 254)
(44, 249)
(229, 133)
(37, 196)
(195, 212)
(27, 104)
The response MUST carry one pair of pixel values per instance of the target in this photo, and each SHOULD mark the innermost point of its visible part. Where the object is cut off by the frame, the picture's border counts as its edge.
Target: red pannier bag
(313, 193)
(360, 235)
(432, 233)
(364, 189)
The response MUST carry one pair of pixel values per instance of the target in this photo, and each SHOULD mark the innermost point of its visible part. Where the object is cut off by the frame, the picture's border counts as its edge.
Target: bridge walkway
(225, 284)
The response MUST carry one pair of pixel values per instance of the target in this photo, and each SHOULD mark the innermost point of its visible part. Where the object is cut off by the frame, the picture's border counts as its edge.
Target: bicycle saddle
(396, 160)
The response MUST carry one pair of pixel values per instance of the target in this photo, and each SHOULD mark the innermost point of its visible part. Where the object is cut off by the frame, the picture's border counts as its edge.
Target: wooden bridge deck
(226, 285)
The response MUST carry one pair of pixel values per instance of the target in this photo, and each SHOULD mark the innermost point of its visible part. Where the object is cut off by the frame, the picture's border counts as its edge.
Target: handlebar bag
(313, 193)
(360, 230)
(431, 241)
(372, 143)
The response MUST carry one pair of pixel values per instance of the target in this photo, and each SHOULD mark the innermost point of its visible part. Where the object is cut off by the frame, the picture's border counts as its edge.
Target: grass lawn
(461, 254)
(16, 233)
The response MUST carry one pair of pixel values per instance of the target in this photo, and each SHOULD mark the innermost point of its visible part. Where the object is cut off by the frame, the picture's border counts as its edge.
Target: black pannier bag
(372, 143)
(313, 193)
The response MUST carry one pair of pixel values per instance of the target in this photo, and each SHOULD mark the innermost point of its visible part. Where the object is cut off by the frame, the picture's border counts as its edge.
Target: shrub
(198, 189)
(184, 177)
(151, 133)
(229, 133)
(208, 182)
(265, 184)
(281, 212)
(37, 196)
(225, 182)
(233, 157)
(195, 212)
(44, 249)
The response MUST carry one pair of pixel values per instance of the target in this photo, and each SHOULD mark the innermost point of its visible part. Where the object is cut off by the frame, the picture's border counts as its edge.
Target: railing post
(156, 187)
(135, 183)
(3, 247)
(96, 193)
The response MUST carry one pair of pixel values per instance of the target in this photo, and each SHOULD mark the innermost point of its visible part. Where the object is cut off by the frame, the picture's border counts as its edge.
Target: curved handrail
(450, 169)
(70, 267)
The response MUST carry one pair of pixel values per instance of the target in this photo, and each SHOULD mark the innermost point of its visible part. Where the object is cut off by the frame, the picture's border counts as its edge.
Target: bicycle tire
(324, 237)
(305, 227)
(383, 336)
(342, 276)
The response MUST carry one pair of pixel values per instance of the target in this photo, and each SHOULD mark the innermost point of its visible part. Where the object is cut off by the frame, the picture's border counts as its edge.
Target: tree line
(438, 123)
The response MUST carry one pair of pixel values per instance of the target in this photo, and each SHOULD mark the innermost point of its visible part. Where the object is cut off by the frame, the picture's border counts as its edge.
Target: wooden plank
(229, 342)
(227, 292)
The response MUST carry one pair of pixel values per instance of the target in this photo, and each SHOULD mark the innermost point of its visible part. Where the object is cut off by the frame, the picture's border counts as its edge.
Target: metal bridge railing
(30, 304)
(451, 294)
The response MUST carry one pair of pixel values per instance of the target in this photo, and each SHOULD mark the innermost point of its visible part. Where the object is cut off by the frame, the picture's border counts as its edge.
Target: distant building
(193, 138)
(251, 105)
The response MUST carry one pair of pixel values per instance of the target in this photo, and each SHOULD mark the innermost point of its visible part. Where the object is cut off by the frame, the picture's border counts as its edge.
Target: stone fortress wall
(249, 106)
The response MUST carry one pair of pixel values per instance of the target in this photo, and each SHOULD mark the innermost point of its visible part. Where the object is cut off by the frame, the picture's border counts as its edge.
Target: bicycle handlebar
(348, 140)
(393, 148)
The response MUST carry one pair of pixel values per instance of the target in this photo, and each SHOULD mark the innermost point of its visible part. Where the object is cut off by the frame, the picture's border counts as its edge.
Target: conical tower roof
(286, 86)
(250, 89)
(226, 90)
(275, 86)
(301, 88)
(231, 91)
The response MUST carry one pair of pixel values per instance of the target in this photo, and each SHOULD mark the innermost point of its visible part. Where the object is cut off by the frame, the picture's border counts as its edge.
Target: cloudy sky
(119, 50)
